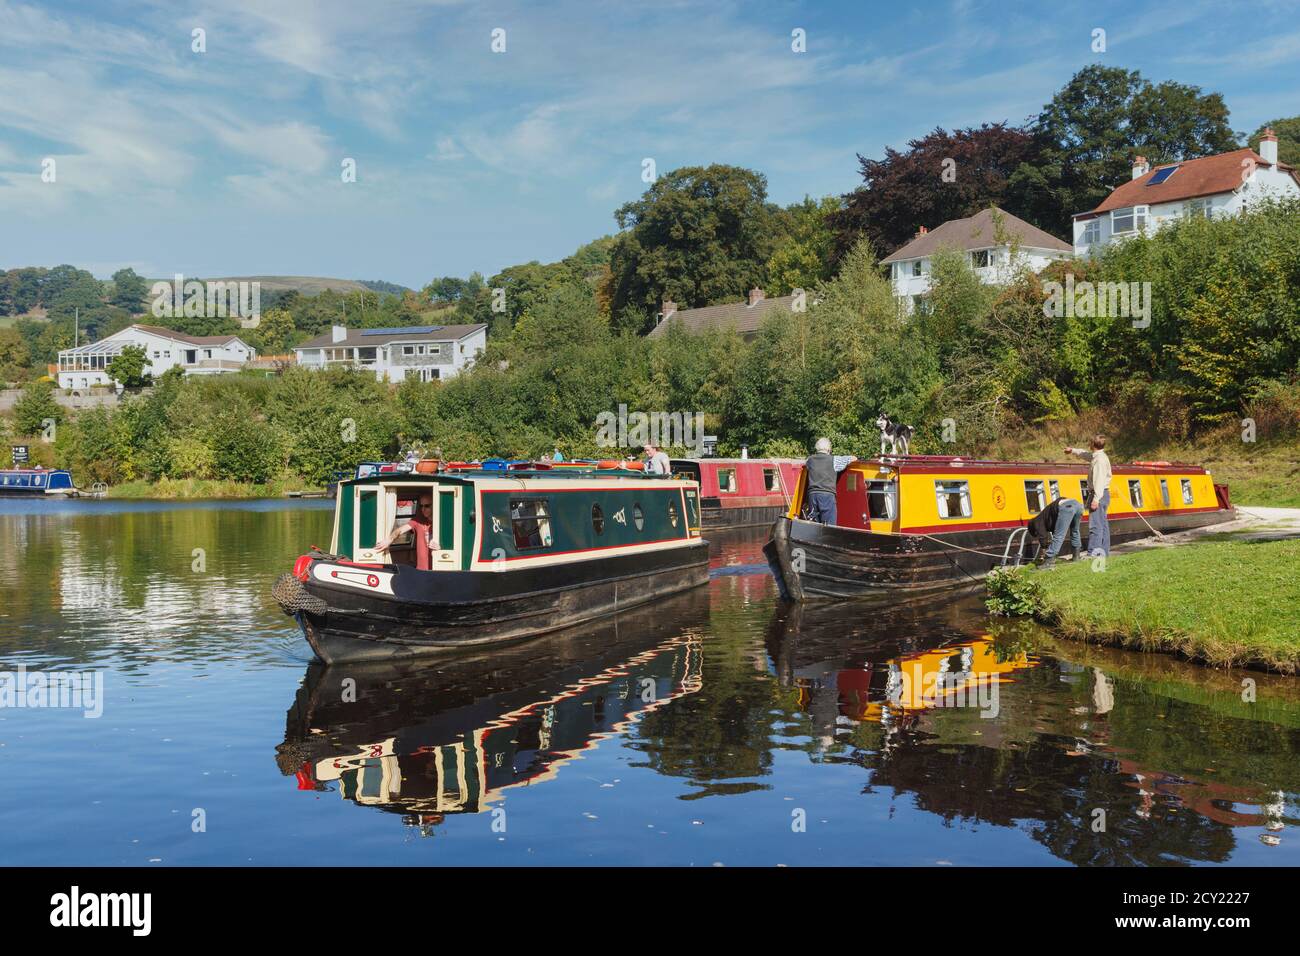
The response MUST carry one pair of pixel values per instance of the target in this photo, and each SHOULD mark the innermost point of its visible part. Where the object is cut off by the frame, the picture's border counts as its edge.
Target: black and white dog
(896, 435)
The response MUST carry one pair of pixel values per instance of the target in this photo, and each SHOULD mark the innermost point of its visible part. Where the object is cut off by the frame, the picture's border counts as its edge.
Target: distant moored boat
(37, 483)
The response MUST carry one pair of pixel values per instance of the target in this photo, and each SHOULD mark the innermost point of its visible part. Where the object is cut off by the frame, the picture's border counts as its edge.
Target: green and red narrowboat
(510, 555)
(740, 492)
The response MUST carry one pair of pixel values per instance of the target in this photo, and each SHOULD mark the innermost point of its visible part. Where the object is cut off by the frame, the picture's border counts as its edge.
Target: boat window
(672, 513)
(530, 518)
(1187, 491)
(1035, 496)
(1135, 492)
(598, 519)
(1164, 492)
(770, 480)
(638, 517)
(882, 500)
(726, 480)
(1083, 491)
(953, 498)
(1054, 487)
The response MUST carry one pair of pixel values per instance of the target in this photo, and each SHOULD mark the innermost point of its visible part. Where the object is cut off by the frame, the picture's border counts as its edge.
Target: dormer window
(916, 267)
(1092, 232)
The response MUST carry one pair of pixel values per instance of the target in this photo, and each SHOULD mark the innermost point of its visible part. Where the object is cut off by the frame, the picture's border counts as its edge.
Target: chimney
(668, 308)
(755, 296)
(339, 333)
(1140, 167)
(1268, 146)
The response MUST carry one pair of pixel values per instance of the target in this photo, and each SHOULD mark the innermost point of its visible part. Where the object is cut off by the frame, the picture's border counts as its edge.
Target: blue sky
(228, 162)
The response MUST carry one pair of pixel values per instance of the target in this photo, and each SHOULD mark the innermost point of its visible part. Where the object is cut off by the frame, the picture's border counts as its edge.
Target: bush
(1014, 592)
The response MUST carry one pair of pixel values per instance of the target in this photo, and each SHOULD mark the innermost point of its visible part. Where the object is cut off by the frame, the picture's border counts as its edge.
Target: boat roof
(470, 476)
(926, 464)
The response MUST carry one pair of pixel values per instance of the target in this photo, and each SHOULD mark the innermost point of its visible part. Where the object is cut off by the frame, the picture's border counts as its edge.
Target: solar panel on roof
(1162, 174)
(415, 329)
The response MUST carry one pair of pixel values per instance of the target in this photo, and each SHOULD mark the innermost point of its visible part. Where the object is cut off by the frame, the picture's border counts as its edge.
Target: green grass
(206, 488)
(1226, 603)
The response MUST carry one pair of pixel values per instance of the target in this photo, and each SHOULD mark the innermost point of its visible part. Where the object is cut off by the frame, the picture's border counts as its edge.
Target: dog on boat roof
(894, 434)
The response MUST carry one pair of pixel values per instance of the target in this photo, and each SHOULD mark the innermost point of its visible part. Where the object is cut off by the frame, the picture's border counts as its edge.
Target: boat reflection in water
(427, 740)
(1016, 754)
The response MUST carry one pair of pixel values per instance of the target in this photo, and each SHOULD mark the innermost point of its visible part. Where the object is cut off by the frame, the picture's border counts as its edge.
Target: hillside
(305, 285)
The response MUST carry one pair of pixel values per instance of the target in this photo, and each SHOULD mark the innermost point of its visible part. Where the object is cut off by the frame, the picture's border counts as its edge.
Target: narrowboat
(37, 483)
(509, 555)
(916, 524)
(740, 492)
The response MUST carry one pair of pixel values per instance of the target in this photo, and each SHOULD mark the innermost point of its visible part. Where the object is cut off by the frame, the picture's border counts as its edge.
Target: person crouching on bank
(1050, 526)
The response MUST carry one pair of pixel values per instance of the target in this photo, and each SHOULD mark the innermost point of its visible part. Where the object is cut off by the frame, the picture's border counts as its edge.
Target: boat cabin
(938, 494)
(491, 520)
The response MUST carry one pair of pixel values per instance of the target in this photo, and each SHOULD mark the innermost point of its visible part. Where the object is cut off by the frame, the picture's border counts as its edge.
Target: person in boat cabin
(656, 461)
(1098, 494)
(1050, 526)
(822, 468)
(421, 525)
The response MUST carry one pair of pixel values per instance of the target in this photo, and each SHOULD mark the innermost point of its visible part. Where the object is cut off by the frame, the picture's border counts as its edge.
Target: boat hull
(435, 611)
(812, 561)
(716, 517)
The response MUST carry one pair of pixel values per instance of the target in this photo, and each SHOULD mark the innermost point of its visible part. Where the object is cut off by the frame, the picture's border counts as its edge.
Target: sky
(230, 161)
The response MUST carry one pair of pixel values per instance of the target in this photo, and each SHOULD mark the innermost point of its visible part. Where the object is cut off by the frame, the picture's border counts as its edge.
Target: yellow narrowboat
(922, 523)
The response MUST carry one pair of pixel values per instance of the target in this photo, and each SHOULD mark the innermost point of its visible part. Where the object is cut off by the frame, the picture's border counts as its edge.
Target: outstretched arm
(397, 532)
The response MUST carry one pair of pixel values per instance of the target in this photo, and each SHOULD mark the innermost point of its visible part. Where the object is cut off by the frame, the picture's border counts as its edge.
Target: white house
(87, 365)
(987, 238)
(425, 352)
(1222, 185)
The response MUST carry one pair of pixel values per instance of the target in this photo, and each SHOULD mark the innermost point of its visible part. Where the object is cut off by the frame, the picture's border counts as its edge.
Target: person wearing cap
(822, 468)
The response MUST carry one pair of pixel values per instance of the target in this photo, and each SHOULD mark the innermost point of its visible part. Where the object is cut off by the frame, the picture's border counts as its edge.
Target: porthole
(638, 518)
(672, 513)
(597, 519)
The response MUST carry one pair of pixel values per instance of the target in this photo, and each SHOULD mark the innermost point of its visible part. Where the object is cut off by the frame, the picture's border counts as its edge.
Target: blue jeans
(823, 505)
(1099, 527)
(1067, 519)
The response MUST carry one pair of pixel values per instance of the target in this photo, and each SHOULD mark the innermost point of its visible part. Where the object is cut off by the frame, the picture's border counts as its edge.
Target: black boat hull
(812, 561)
(716, 517)
(431, 611)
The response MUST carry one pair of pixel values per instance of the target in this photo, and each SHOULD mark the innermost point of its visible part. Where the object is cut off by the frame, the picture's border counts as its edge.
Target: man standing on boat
(1098, 494)
(421, 525)
(1050, 526)
(656, 461)
(822, 468)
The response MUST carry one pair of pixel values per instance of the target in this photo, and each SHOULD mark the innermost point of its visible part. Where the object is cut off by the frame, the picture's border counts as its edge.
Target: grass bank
(205, 488)
(1224, 603)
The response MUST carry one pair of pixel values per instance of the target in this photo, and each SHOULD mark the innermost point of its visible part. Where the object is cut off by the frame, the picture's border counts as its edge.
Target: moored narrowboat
(37, 483)
(925, 523)
(740, 492)
(507, 555)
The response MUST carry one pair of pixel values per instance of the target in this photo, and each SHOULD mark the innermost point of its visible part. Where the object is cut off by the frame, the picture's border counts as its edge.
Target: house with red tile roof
(1222, 185)
(997, 244)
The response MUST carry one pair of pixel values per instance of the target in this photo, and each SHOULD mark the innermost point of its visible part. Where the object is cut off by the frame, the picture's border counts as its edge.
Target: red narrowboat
(741, 492)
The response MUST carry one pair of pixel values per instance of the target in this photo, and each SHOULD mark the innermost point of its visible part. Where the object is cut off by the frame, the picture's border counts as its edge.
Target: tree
(35, 407)
(1089, 133)
(129, 368)
(129, 290)
(1288, 139)
(274, 332)
(939, 177)
(802, 259)
(699, 235)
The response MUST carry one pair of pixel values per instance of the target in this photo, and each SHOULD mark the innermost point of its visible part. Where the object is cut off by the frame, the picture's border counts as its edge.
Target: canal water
(717, 728)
